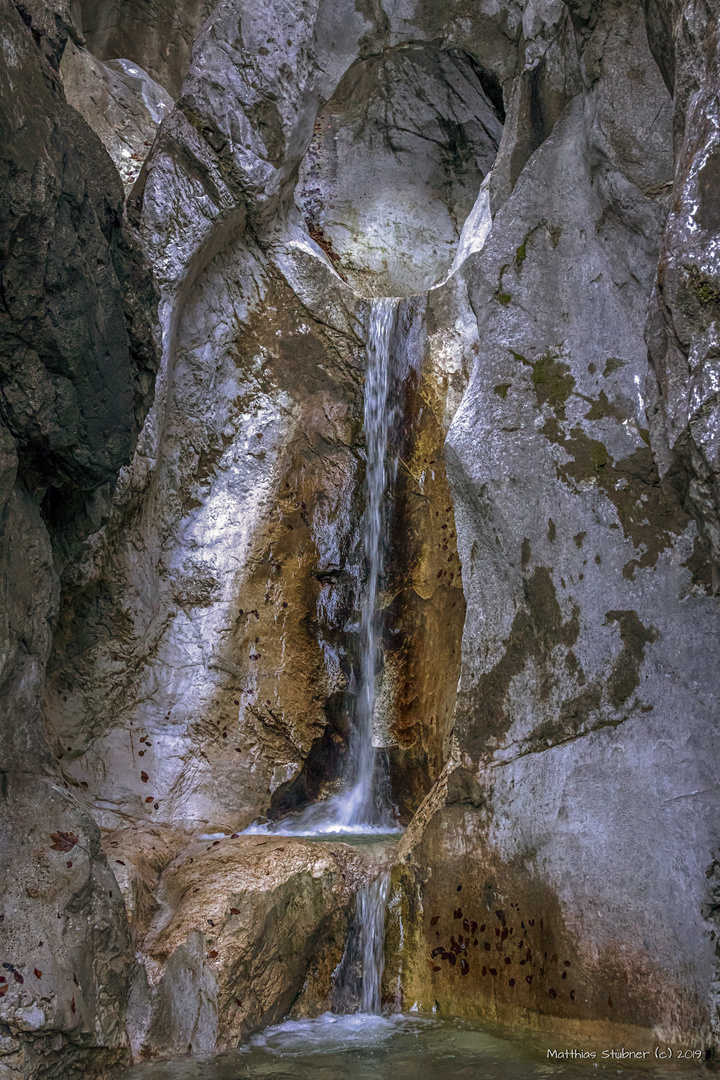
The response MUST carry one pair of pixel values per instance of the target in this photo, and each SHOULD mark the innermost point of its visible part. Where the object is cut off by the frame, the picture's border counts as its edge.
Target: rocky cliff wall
(549, 611)
(559, 872)
(77, 366)
(214, 613)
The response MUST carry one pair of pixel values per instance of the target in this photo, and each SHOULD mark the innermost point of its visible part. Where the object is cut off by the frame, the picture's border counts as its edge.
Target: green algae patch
(705, 290)
(601, 408)
(537, 630)
(612, 364)
(649, 515)
(625, 677)
(552, 381)
(501, 295)
(699, 564)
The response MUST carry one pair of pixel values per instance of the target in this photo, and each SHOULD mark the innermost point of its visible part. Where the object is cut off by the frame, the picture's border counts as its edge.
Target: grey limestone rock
(120, 102)
(682, 330)
(157, 35)
(586, 674)
(77, 360)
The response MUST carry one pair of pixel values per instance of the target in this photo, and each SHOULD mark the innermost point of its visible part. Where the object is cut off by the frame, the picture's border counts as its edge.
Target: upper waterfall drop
(365, 800)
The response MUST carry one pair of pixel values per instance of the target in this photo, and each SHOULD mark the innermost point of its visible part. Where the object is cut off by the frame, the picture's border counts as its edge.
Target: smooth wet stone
(386, 193)
(120, 102)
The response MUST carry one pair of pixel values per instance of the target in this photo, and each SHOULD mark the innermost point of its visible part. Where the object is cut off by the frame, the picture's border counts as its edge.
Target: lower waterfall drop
(358, 980)
(371, 908)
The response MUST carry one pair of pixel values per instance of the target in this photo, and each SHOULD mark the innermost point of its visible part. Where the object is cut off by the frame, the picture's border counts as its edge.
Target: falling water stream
(372, 904)
(362, 806)
(365, 798)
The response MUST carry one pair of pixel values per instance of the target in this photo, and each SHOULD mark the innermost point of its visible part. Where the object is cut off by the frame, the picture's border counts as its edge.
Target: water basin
(399, 1047)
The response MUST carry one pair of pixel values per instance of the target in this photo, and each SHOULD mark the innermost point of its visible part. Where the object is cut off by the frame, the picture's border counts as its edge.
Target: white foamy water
(329, 1032)
(317, 826)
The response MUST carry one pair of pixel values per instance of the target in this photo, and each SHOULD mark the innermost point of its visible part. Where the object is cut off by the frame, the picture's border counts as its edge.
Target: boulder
(246, 928)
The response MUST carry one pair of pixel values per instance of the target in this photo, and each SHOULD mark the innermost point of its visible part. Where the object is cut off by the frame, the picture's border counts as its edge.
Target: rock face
(64, 937)
(395, 166)
(157, 36)
(682, 332)
(120, 102)
(77, 362)
(585, 678)
(185, 554)
(216, 609)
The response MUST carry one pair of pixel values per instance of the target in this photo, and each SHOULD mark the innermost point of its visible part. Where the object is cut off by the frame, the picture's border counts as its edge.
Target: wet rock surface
(238, 658)
(157, 36)
(185, 554)
(77, 365)
(683, 320)
(120, 102)
(66, 948)
(394, 168)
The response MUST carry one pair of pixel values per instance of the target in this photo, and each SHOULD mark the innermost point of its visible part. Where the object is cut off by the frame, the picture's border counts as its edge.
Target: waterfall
(363, 803)
(365, 800)
(358, 980)
(371, 908)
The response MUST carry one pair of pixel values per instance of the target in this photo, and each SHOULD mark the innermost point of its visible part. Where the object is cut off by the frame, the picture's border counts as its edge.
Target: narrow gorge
(359, 537)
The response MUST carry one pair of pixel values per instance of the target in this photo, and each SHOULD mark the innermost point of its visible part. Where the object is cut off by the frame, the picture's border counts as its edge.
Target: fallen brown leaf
(63, 841)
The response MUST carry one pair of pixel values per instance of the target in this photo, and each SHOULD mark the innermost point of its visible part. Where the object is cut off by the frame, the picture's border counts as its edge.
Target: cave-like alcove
(395, 165)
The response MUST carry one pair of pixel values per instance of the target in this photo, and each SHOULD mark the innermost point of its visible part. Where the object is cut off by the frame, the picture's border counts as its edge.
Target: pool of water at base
(399, 1047)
